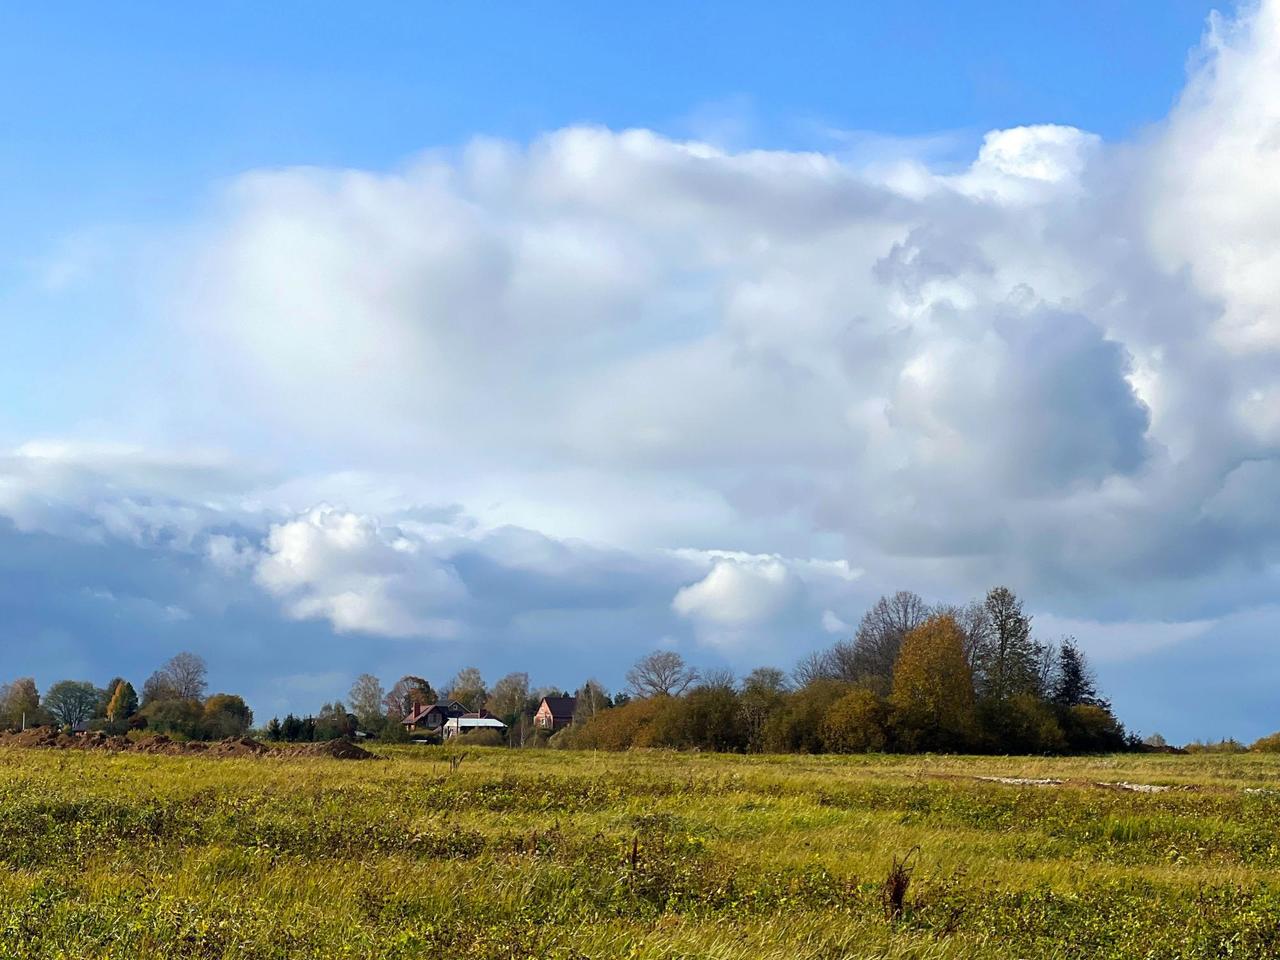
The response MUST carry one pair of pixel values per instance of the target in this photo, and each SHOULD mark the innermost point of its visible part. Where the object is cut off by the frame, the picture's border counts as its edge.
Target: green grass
(564, 855)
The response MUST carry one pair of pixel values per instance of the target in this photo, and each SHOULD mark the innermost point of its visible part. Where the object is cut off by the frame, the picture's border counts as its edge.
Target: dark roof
(420, 712)
(561, 707)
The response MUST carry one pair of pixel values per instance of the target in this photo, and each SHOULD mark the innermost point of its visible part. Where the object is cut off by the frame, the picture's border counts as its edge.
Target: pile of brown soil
(237, 747)
(331, 749)
(48, 738)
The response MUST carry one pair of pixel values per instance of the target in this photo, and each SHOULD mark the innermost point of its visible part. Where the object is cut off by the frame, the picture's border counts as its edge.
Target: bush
(620, 728)
(856, 723)
(1229, 745)
(1021, 724)
(1092, 729)
(707, 718)
(796, 727)
(483, 737)
(1267, 744)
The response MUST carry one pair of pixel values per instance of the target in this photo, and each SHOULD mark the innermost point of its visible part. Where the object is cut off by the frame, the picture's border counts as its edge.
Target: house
(555, 713)
(456, 726)
(431, 717)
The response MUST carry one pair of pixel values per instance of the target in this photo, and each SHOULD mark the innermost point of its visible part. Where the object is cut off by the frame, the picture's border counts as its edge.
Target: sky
(536, 337)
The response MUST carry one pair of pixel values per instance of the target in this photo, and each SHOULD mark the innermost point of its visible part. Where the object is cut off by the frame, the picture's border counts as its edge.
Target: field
(551, 854)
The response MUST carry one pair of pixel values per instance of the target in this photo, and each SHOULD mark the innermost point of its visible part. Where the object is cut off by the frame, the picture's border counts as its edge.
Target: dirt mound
(332, 749)
(157, 744)
(35, 737)
(236, 747)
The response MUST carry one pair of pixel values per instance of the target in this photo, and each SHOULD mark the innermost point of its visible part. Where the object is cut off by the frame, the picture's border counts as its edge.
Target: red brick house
(555, 713)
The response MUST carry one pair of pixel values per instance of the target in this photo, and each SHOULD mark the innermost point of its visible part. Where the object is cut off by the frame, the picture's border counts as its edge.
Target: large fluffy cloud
(633, 378)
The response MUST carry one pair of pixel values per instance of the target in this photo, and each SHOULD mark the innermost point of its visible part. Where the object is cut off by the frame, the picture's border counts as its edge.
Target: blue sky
(403, 338)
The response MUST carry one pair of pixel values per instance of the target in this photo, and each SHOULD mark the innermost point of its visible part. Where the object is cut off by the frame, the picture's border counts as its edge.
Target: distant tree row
(912, 678)
(173, 701)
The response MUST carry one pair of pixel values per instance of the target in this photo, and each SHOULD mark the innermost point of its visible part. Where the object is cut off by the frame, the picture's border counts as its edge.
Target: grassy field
(550, 854)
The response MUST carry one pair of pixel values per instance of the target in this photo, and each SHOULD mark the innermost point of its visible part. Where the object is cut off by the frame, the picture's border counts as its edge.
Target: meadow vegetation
(568, 854)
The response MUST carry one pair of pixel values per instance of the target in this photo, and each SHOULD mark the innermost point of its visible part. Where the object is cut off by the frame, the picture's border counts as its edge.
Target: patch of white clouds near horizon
(730, 395)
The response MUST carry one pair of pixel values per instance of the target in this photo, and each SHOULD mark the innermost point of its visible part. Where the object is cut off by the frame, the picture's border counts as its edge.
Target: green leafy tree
(292, 729)
(932, 699)
(1022, 723)
(225, 715)
(274, 732)
(180, 717)
(71, 702)
(333, 722)
(1090, 728)
(366, 698)
(19, 703)
(706, 718)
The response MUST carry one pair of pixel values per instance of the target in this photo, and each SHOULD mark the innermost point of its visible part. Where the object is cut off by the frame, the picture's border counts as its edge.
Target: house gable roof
(562, 708)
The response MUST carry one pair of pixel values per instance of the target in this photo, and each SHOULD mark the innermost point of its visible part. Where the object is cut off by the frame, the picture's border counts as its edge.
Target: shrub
(856, 723)
(1021, 724)
(1092, 729)
(1267, 744)
(622, 727)
(483, 737)
(796, 727)
(1229, 745)
(707, 718)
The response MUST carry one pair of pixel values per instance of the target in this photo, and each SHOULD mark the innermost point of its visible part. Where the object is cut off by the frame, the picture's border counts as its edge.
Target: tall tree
(1073, 683)
(366, 698)
(20, 701)
(932, 699)
(107, 692)
(662, 673)
(812, 667)
(156, 689)
(592, 699)
(184, 677)
(333, 721)
(975, 623)
(71, 702)
(409, 692)
(870, 656)
(188, 674)
(1011, 662)
(123, 703)
(468, 688)
(226, 715)
(509, 697)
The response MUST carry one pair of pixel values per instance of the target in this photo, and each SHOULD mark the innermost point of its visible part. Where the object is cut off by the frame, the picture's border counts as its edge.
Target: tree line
(913, 677)
(173, 702)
